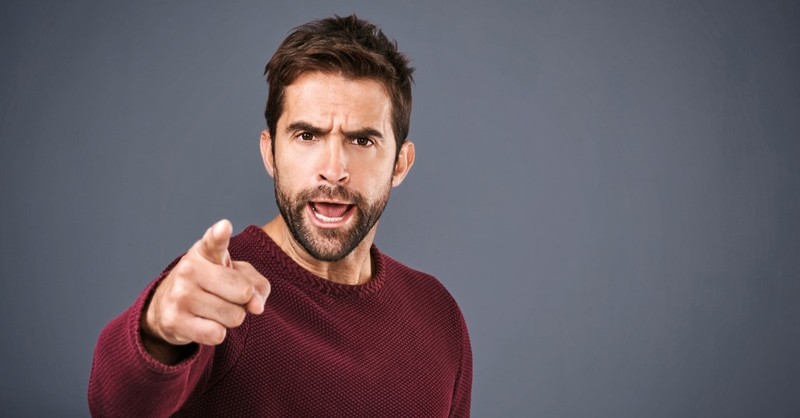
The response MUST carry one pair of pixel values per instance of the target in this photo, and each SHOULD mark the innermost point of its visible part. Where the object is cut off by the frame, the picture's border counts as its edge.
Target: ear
(405, 159)
(266, 152)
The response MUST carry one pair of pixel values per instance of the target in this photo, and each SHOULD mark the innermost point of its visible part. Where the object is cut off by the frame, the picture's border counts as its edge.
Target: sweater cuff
(134, 326)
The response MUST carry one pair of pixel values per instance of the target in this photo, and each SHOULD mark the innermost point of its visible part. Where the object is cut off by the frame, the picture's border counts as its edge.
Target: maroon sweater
(396, 346)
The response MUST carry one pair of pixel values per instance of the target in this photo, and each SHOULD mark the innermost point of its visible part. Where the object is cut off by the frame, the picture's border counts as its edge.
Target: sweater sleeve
(462, 392)
(127, 381)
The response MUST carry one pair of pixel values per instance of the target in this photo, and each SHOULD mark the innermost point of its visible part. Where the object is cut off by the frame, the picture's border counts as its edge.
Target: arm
(462, 391)
(150, 359)
(127, 381)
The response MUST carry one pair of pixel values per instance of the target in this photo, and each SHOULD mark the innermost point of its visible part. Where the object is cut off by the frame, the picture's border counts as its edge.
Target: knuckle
(232, 316)
(261, 287)
(168, 319)
(180, 291)
(184, 268)
(246, 292)
(216, 335)
(246, 268)
(239, 315)
(265, 286)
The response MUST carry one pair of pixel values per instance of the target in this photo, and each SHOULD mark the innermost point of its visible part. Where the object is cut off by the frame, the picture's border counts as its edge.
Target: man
(346, 331)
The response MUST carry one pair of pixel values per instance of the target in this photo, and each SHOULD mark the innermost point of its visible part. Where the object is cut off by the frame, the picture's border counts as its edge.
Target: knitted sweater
(396, 346)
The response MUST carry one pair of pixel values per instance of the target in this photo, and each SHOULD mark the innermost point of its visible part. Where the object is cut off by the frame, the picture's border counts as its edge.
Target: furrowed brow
(364, 132)
(306, 127)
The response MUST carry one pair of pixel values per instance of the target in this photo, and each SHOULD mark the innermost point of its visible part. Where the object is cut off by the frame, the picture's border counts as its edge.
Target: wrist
(165, 352)
(159, 348)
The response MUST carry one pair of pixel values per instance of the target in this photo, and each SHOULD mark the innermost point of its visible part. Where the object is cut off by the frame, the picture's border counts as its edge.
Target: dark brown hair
(348, 46)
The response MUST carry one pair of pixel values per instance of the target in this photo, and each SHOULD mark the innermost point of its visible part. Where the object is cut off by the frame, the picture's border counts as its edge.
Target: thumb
(214, 244)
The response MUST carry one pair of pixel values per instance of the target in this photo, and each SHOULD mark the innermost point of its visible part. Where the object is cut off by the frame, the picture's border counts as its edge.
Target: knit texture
(396, 346)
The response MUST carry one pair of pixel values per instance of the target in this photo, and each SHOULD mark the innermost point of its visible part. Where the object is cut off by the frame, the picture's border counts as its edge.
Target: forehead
(325, 99)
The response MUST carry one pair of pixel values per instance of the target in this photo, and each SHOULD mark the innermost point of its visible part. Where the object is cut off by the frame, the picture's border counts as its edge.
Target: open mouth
(330, 212)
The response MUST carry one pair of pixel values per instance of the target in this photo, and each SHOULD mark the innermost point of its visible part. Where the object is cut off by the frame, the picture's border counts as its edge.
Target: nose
(333, 167)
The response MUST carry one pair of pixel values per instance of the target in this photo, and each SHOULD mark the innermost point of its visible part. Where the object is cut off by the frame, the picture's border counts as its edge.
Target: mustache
(339, 193)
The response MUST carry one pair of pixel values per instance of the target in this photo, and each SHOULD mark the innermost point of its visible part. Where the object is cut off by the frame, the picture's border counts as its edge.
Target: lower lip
(323, 223)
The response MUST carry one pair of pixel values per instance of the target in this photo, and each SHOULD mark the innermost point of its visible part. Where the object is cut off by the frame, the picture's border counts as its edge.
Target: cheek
(373, 183)
(291, 172)
(376, 166)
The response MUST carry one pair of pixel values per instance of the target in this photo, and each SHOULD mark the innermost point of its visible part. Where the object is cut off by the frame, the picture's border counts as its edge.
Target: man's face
(334, 161)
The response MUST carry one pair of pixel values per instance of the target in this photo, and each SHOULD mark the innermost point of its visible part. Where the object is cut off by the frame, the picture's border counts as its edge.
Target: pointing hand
(205, 294)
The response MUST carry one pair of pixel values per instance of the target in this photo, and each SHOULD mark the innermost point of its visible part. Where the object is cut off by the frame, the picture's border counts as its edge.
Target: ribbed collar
(302, 277)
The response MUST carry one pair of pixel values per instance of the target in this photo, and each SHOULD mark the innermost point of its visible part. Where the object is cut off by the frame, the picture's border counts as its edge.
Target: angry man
(304, 316)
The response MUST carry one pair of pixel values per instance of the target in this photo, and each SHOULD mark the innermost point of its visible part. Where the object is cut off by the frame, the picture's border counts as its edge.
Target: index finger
(213, 246)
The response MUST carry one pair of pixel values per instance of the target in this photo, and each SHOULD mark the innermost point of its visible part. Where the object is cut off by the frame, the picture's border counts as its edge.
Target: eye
(363, 141)
(306, 136)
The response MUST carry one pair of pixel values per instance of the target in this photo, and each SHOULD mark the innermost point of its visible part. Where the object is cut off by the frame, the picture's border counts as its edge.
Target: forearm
(126, 380)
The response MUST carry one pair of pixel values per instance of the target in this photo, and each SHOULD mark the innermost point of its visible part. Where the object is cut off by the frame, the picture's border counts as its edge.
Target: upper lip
(332, 202)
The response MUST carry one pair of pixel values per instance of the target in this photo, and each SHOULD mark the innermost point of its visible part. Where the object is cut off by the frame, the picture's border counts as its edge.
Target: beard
(329, 244)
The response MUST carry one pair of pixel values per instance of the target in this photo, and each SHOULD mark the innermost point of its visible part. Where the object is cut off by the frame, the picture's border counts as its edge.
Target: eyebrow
(304, 126)
(358, 133)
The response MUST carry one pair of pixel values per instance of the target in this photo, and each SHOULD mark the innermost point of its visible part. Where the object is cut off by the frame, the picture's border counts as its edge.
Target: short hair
(352, 47)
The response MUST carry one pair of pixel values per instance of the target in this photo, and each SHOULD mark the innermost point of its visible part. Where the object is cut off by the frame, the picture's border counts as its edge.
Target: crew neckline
(309, 280)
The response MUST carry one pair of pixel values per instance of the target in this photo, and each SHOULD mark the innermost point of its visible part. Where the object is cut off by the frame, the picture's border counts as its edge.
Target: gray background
(610, 189)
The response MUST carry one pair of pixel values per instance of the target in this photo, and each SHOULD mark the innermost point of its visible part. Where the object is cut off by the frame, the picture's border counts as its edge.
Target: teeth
(327, 219)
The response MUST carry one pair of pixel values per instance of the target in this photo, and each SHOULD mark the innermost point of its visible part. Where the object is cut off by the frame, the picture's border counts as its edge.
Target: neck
(355, 268)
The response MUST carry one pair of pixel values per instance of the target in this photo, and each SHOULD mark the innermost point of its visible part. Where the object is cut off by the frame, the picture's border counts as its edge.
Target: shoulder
(420, 285)
(428, 305)
(397, 271)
